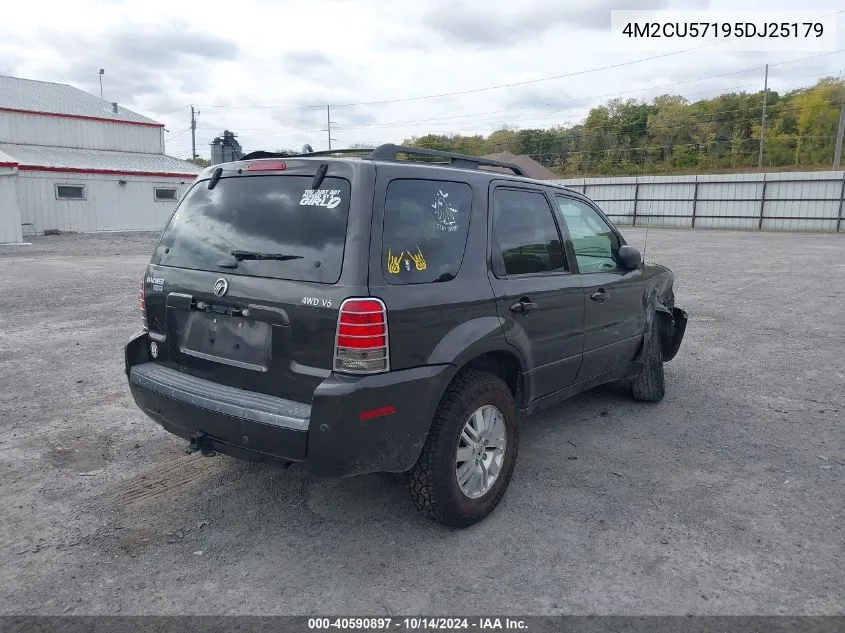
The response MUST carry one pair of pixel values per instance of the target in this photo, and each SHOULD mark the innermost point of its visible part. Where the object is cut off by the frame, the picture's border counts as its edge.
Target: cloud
(541, 99)
(478, 23)
(161, 47)
(142, 60)
(339, 52)
(300, 62)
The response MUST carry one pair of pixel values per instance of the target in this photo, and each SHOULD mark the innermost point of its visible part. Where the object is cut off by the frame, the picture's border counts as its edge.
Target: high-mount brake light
(266, 165)
(361, 343)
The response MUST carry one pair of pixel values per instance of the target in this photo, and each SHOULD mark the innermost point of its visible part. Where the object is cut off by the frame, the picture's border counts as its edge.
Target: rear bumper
(329, 437)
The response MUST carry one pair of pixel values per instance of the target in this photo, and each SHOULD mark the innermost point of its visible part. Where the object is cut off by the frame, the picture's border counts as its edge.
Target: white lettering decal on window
(328, 198)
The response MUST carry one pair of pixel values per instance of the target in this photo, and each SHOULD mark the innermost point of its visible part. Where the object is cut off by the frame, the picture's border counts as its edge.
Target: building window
(165, 194)
(70, 192)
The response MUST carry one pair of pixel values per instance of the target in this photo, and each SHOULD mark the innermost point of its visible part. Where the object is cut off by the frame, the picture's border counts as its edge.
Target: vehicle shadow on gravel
(230, 502)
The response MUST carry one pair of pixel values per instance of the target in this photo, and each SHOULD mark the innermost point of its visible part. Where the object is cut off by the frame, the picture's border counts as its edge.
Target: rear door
(245, 284)
(614, 316)
(537, 295)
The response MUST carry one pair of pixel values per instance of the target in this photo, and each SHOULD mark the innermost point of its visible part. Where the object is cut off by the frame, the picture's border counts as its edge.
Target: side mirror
(629, 257)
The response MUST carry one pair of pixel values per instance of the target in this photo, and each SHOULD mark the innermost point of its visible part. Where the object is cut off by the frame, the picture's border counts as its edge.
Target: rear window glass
(260, 216)
(425, 230)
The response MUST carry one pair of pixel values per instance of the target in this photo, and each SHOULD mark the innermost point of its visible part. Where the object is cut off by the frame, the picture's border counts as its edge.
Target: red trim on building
(8, 164)
(83, 117)
(107, 172)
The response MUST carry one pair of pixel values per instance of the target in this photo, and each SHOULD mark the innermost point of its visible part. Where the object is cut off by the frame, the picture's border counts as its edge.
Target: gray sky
(266, 68)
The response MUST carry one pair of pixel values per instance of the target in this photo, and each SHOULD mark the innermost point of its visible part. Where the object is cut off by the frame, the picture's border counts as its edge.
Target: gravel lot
(726, 498)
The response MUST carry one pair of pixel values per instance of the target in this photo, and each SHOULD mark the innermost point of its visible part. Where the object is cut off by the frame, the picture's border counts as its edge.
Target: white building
(73, 162)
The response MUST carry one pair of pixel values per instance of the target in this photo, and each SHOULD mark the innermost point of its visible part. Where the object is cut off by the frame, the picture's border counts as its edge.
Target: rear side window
(425, 230)
(286, 229)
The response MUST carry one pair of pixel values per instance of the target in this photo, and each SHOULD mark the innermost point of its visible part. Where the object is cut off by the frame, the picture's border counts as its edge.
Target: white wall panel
(719, 208)
(33, 129)
(777, 224)
(673, 222)
(663, 208)
(662, 191)
(800, 209)
(828, 189)
(10, 217)
(728, 191)
(610, 192)
(109, 206)
(725, 201)
(618, 208)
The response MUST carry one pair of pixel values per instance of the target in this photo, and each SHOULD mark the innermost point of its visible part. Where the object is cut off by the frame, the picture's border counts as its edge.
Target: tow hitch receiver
(199, 442)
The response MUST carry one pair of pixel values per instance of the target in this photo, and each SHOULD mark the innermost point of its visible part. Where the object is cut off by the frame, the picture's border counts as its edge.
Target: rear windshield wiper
(280, 257)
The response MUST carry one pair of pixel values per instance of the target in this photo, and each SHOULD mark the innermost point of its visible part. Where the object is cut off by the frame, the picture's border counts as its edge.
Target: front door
(537, 296)
(614, 317)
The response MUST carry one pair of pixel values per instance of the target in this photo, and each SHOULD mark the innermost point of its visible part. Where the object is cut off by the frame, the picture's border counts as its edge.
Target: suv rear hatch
(245, 284)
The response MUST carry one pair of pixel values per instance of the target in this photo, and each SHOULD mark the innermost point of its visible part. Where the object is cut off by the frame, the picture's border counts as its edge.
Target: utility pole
(837, 154)
(194, 132)
(329, 123)
(763, 117)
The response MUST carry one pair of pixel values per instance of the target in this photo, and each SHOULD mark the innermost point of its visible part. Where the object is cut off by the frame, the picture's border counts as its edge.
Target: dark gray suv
(396, 312)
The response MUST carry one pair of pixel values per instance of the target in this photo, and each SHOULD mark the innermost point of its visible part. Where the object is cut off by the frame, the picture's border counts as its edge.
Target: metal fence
(783, 201)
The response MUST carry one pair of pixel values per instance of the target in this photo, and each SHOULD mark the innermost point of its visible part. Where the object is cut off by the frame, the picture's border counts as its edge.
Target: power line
(177, 135)
(494, 87)
(473, 90)
(530, 118)
(171, 111)
(672, 146)
(608, 132)
(710, 117)
(463, 118)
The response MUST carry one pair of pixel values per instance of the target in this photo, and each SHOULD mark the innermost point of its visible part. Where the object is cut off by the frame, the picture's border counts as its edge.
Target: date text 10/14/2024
(417, 623)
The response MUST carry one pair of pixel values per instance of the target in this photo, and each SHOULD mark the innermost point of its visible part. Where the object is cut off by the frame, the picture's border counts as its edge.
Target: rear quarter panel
(444, 322)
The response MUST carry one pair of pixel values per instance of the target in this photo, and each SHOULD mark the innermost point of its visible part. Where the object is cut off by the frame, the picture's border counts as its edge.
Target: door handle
(599, 295)
(523, 305)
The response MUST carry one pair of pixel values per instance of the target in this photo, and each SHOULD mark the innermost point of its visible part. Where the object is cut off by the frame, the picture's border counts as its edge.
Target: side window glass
(425, 230)
(525, 233)
(596, 245)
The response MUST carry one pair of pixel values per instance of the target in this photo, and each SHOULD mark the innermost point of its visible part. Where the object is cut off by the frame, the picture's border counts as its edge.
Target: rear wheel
(649, 386)
(469, 456)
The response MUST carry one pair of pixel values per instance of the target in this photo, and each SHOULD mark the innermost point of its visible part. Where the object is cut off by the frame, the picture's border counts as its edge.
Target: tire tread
(650, 385)
(430, 489)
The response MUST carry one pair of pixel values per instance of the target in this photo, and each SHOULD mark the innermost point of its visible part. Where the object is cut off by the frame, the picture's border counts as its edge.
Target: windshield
(276, 215)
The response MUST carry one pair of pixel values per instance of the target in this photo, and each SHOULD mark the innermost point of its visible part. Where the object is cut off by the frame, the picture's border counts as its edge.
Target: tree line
(670, 133)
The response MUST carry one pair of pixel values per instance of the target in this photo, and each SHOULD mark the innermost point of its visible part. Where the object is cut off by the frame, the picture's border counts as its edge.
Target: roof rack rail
(262, 154)
(390, 152)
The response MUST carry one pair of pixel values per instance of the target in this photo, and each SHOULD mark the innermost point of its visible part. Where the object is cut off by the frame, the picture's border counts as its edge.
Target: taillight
(142, 297)
(361, 345)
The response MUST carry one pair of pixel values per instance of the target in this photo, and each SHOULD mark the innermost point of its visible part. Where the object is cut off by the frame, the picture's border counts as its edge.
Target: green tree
(670, 133)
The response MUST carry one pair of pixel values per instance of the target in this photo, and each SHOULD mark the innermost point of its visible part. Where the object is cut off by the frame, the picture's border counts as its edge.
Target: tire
(650, 386)
(433, 484)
